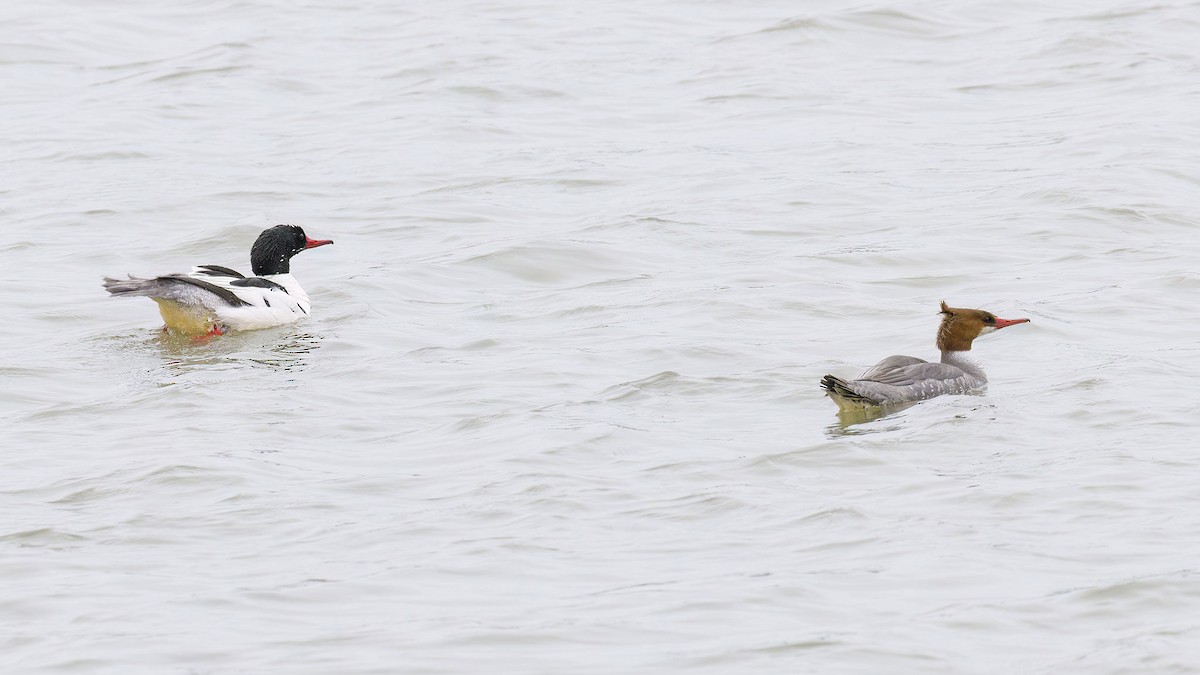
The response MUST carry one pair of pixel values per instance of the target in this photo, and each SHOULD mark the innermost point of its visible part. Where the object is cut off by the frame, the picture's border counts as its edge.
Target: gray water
(557, 408)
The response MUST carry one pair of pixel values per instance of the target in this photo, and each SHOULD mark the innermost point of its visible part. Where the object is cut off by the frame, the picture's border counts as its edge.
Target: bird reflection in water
(279, 349)
(849, 421)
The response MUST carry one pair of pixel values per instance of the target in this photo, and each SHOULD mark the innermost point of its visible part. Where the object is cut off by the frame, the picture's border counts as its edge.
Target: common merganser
(212, 299)
(900, 379)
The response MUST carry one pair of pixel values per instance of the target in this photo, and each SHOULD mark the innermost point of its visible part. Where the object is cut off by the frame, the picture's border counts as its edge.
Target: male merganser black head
(273, 250)
(960, 327)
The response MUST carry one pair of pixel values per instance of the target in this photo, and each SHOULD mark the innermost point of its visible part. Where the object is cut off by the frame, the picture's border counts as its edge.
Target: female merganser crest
(213, 299)
(900, 379)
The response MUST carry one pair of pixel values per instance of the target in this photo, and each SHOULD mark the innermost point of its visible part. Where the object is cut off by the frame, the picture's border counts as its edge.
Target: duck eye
(989, 319)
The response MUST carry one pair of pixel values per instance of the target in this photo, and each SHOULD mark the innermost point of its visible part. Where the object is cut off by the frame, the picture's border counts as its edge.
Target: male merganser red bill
(213, 300)
(900, 379)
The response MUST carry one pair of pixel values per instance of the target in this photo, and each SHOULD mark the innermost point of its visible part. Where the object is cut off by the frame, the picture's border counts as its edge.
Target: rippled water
(557, 408)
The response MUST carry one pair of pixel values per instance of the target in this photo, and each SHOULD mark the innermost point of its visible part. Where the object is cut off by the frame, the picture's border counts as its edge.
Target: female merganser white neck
(899, 379)
(213, 299)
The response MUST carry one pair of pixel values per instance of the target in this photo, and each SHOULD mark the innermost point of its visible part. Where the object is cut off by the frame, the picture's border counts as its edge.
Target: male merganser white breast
(213, 300)
(900, 379)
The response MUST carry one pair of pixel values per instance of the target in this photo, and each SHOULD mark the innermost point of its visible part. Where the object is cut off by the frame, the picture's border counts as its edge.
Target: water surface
(557, 407)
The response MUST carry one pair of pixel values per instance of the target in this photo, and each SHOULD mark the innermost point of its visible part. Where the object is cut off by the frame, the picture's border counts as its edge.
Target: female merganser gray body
(900, 379)
(212, 300)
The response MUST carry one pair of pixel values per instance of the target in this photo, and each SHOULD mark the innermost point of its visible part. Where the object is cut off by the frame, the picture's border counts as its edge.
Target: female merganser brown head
(961, 326)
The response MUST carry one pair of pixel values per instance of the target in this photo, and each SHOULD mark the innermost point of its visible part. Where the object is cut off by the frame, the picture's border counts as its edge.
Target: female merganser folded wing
(213, 299)
(900, 379)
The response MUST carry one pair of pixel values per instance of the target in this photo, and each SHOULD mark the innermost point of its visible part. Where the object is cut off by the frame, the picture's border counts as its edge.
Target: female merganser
(900, 379)
(213, 299)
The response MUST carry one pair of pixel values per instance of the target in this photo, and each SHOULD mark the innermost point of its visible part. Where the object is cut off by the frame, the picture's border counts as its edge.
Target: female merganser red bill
(900, 379)
(213, 299)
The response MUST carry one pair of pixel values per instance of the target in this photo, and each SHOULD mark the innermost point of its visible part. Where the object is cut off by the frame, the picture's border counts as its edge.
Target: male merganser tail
(213, 299)
(900, 379)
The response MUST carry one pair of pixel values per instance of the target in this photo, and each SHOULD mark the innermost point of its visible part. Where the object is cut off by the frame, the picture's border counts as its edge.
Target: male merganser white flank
(900, 379)
(213, 300)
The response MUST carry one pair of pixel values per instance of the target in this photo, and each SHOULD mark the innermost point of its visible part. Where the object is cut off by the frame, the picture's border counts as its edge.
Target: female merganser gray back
(213, 299)
(900, 379)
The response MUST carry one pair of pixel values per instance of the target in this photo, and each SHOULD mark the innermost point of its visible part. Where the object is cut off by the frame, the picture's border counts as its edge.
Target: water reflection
(282, 349)
(848, 420)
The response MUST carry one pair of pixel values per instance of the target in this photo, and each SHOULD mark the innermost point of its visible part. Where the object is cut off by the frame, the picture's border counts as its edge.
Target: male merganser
(213, 299)
(900, 379)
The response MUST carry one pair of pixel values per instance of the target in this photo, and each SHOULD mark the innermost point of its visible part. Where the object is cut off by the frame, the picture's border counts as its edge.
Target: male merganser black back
(213, 299)
(900, 379)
